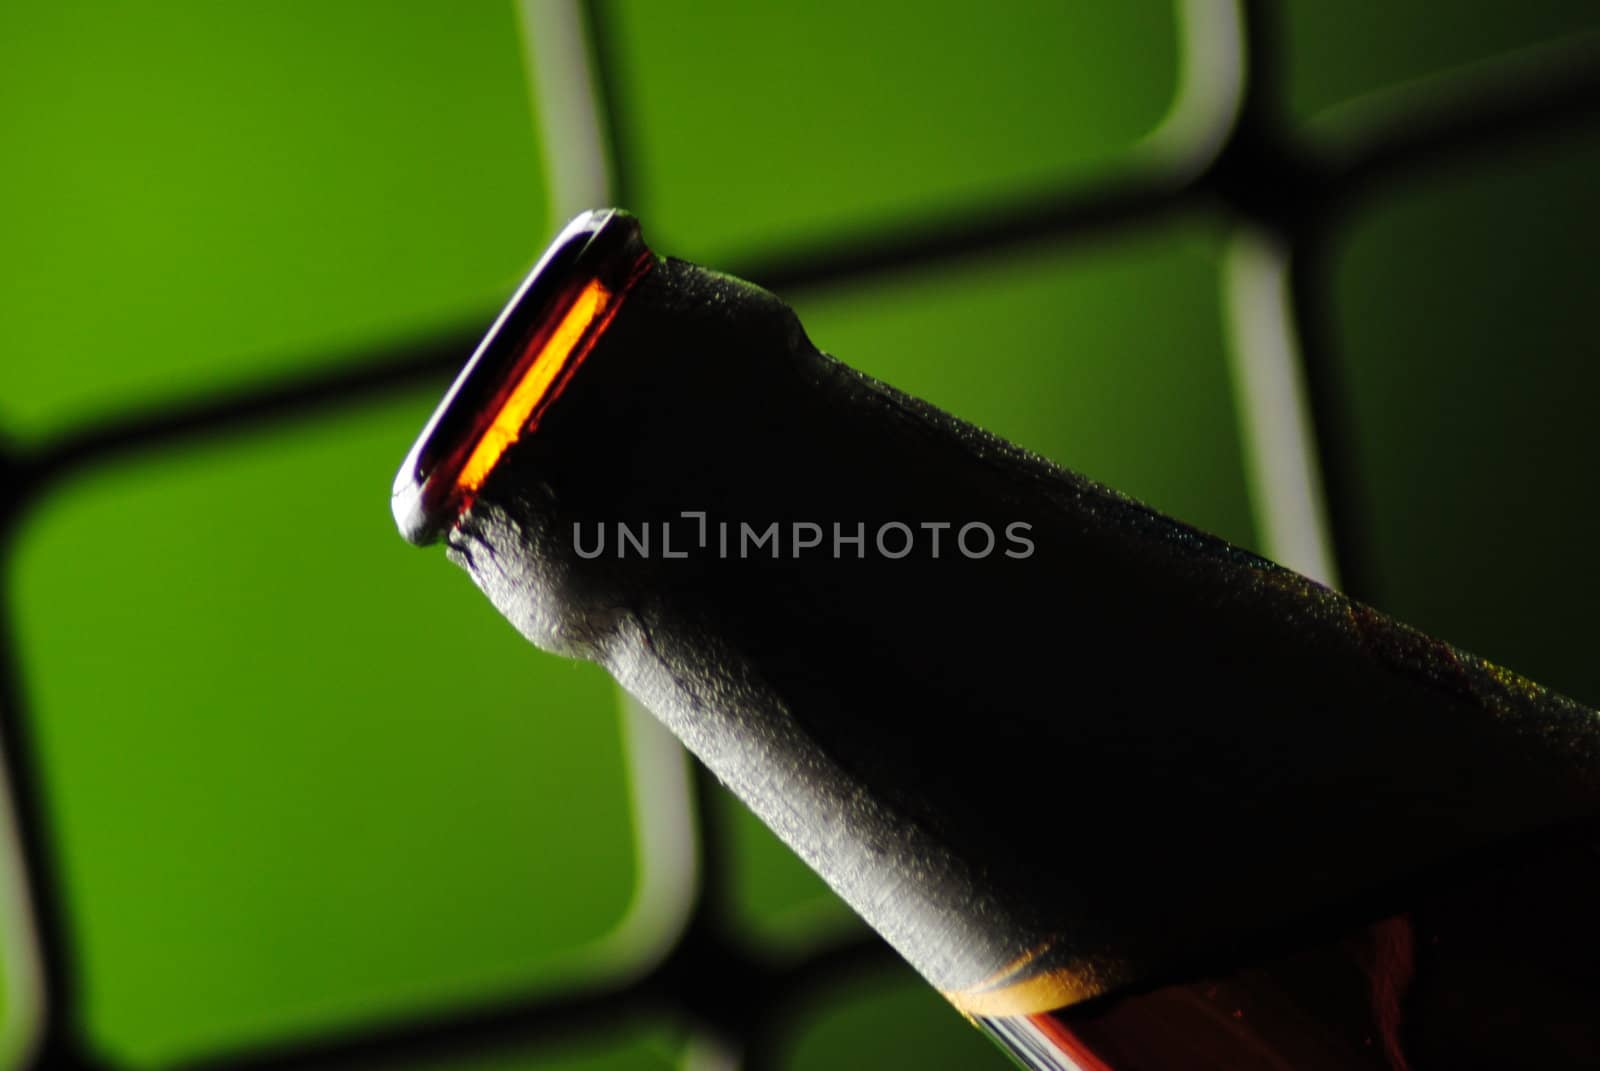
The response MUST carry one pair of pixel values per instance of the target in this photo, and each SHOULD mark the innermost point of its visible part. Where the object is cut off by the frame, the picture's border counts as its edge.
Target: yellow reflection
(512, 419)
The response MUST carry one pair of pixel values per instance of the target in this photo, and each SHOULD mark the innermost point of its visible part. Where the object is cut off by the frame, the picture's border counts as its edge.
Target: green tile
(197, 193)
(1467, 338)
(302, 774)
(893, 1021)
(1336, 52)
(1107, 358)
(756, 124)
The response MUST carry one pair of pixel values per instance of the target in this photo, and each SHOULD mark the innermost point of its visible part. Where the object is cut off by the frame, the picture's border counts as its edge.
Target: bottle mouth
(520, 368)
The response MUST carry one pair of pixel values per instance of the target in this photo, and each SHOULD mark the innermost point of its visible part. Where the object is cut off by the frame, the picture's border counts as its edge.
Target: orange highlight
(1039, 993)
(514, 416)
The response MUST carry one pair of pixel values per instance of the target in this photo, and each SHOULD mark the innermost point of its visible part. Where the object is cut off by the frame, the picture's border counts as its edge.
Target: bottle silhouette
(1129, 796)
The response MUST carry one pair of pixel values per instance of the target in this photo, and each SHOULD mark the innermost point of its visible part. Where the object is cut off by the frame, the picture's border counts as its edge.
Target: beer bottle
(1131, 797)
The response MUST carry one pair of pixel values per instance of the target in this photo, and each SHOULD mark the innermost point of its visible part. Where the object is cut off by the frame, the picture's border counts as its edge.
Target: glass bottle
(1129, 796)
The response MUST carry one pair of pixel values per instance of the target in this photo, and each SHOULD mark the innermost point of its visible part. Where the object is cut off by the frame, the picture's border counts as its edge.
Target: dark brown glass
(1136, 792)
(1493, 967)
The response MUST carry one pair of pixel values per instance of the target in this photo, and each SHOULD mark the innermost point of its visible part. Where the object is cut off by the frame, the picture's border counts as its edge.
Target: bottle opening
(520, 368)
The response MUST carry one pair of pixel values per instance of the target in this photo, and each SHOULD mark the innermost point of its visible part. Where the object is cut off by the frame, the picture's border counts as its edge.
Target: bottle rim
(523, 364)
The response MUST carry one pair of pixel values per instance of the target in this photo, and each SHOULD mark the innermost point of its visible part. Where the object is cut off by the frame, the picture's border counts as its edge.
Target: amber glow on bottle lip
(559, 356)
(521, 368)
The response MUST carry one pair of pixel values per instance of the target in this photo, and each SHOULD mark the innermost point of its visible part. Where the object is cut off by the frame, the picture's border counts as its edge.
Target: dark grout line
(861, 958)
(1480, 116)
(530, 1023)
(477, 1033)
(1267, 174)
(713, 842)
(407, 367)
(939, 241)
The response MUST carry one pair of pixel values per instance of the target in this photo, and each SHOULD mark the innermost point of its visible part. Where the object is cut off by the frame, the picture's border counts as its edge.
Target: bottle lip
(522, 365)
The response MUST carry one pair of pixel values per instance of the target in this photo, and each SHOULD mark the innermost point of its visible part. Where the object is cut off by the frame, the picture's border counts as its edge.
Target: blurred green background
(301, 778)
